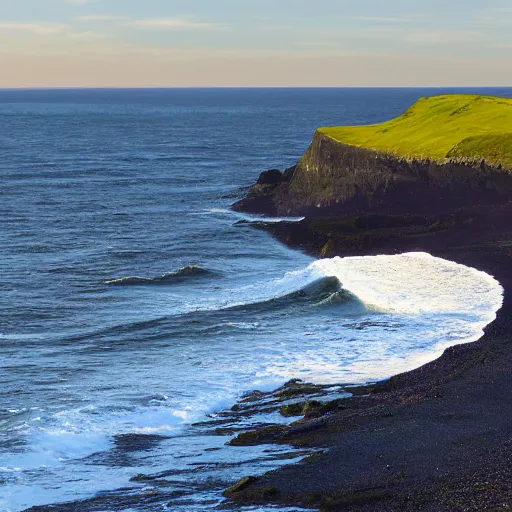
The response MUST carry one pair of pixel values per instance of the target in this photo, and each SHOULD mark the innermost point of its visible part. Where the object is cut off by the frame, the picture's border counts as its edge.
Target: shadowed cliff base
(334, 179)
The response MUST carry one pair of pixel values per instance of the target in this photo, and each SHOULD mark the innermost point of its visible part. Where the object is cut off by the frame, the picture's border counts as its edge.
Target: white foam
(438, 304)
(408, 283)
(248, 217)
(416, 283)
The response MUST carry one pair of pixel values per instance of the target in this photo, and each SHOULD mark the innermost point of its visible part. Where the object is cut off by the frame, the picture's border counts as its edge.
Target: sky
(239, 43)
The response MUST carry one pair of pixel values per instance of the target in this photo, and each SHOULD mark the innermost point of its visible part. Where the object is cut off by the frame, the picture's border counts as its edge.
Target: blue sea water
(135, 308)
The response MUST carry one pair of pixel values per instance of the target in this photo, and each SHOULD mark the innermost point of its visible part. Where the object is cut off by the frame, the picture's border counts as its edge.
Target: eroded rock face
(262, 198)
(333, 178)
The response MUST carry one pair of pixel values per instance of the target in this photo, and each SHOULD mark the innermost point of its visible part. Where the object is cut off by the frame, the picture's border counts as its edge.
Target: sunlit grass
(440, 127)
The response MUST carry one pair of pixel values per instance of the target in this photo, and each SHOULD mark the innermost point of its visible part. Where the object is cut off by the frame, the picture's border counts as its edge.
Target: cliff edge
(445, 152)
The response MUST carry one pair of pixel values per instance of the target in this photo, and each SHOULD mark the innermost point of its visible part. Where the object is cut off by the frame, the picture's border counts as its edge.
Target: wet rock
(253, 396)
(360, 390)
(140, 478)
(298, 388)
(300, 408)
(240, 486)
(260, 436)
(371, 389)
(137, 442)
(326, 408)
(292, 409)
(270, 493)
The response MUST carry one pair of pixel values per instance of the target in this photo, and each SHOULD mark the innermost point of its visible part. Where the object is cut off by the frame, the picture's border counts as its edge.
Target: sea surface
(136, 308)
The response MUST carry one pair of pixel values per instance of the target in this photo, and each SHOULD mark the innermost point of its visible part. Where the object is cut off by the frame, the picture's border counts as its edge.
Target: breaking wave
(415, 283)
(190, 271)
(411, 283)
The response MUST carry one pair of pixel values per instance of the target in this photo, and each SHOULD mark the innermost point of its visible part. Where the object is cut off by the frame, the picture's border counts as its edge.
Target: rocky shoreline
(437, 438)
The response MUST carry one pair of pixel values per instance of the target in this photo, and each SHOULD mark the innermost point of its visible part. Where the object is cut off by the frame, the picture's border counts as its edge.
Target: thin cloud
(440, 37)
(101, 17)
(176, 24)
(499, 16)
(315, 44)
(275, 28)
(49, 29)
(86, 36)
(36, 28)
(384, 19)
(79, 2)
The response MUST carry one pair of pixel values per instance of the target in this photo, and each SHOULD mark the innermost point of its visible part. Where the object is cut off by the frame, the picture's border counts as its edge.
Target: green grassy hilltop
(440, 127)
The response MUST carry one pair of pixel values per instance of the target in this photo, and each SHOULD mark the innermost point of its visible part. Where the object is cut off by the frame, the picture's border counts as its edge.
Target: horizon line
(200, 87)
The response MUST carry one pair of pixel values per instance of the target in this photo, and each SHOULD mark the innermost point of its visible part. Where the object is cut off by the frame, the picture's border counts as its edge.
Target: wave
(409, 284)
(415, 283)
(320, 291)
(190, 271)
(324, 291)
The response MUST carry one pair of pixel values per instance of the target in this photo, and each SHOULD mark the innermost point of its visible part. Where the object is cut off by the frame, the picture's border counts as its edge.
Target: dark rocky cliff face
(333, 178)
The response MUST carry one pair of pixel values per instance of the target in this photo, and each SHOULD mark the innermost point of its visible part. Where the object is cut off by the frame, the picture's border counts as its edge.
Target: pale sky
(169, 43)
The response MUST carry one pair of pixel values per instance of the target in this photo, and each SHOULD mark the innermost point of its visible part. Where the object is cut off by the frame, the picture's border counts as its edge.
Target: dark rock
(259, 199)
(253, 396)
(270, 493)
(137, 442)
(260, 436)
(315, 411)
(298, 388)
(270, 177)
(289, 173)
(333, 178)
(300, 408)
(291, 410)
(240, 486)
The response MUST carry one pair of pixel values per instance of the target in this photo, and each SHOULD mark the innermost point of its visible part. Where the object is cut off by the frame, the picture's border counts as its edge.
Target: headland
(445, 152)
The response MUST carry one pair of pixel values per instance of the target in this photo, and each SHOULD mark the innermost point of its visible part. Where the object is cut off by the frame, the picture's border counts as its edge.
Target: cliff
(397, 174)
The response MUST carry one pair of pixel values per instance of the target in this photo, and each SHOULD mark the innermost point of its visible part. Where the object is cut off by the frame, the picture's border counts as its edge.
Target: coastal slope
(444, 152)
(434, 127)
(437, 438)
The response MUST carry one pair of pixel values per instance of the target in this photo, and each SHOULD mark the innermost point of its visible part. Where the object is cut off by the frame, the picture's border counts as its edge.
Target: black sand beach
(437, 438)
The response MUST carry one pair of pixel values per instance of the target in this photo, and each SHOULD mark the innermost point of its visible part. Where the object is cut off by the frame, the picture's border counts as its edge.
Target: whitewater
(411, 307)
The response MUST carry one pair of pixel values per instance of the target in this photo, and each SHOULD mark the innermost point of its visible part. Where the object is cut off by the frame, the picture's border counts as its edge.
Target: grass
(440, 127)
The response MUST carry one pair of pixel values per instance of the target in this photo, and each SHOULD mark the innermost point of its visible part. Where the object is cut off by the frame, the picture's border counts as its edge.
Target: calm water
(110, 354)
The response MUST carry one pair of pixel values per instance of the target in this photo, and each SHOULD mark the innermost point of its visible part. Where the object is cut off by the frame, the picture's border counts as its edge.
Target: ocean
(136, 307)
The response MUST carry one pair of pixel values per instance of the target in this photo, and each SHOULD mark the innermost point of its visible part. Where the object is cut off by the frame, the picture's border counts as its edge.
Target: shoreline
(424, 439)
